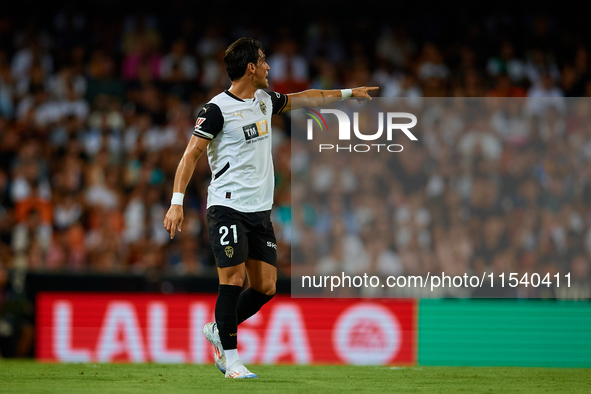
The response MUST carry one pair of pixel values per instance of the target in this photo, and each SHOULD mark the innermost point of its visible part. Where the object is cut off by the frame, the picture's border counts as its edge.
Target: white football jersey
(239, 153)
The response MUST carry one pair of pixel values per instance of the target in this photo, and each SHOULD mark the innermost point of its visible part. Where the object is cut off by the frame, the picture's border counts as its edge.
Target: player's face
(261, 71)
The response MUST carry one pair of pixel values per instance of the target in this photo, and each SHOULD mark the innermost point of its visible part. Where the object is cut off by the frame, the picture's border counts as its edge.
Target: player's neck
(243, 89)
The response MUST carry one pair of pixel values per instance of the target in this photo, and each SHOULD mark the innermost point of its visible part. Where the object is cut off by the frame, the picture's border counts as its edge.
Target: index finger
(172, 228)
(373, 88)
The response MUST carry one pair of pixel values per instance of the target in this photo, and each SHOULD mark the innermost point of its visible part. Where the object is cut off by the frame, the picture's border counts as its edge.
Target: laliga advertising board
(103, 327)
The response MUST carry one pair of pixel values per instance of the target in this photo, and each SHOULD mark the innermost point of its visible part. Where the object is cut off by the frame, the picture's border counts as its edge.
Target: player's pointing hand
(363, 92)
(173, 219)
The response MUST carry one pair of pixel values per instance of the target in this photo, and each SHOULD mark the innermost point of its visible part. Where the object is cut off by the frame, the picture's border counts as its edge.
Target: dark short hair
(241, 52)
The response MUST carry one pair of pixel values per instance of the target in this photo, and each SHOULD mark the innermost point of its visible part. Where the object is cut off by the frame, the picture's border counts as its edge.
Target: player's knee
(269, 289)
(236, 281)
(233, 280)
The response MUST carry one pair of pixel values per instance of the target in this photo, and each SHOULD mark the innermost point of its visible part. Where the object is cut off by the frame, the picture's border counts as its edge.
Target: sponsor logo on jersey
(263, 107)
(229, 251)
(255, 130)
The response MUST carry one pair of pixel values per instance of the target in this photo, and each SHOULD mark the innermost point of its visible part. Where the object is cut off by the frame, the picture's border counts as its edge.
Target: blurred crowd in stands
(95, 114)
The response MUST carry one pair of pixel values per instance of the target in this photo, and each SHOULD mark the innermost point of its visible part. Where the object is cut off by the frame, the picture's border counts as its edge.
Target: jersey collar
(237, 98)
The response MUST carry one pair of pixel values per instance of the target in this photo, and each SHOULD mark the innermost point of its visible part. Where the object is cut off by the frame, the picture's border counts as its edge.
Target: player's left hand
(362, 93)
(173, 219)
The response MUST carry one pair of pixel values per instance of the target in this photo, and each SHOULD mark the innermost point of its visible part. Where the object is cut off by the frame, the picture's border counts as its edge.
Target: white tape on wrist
(177, 199)
(346, 93)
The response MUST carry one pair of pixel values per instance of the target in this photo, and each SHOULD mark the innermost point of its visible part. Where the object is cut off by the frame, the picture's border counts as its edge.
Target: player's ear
(251, 67)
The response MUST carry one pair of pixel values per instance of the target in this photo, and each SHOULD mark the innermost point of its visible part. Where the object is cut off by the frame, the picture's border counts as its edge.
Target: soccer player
(235, 129)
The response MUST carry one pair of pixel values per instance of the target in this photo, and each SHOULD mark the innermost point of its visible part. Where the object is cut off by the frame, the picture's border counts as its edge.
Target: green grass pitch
(32, 377)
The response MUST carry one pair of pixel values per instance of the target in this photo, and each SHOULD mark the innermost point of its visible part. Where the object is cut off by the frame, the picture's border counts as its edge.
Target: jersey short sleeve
(279, 102)
(210, 122)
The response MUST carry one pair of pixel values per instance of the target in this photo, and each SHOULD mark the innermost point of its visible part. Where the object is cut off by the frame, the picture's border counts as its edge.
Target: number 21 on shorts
(224, 231)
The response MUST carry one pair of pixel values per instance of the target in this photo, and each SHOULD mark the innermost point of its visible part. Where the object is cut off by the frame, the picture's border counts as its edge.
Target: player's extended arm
(174, 217)
(315, 97)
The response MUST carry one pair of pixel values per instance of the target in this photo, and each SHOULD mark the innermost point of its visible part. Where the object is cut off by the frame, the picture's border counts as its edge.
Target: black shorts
(236, 236)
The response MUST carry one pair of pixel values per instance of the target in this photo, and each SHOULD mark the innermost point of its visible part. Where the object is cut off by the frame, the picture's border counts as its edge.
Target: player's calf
(250, 302)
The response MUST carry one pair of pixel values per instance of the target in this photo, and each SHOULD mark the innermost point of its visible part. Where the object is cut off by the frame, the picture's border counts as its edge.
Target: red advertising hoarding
(106, 327)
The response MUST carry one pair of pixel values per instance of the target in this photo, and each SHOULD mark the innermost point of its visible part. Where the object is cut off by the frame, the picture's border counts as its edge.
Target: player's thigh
(262, 244)
(262, 276)
(228, 236)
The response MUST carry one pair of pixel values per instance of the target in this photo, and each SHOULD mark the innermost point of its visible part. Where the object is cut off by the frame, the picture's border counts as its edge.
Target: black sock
(249, 303)
(225, 315)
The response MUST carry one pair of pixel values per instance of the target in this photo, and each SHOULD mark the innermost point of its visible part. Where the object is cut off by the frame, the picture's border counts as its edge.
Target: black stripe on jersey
(222, 171)
(279, 101)
(209, 121)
